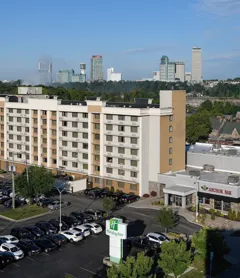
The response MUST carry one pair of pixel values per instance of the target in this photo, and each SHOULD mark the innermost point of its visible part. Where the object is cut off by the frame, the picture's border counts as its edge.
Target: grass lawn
(24, 212)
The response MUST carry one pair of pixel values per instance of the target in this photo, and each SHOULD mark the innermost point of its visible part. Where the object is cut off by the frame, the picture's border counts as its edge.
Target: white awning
(179, 190)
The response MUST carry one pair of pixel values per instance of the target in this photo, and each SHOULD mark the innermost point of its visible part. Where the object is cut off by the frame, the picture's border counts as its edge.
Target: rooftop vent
(233, 179)
(208, 168)
(232, 152)
(194, 173)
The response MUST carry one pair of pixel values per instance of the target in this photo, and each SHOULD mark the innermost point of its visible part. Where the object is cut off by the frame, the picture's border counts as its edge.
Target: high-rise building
(113, 76)
(45, 72)
(156, 75)
(167, 70)
(180, 71)
(119, 145)
(188, 76)
(197, 64)
(75, 78)
(96, 68)
(83, 76)
(65, 76)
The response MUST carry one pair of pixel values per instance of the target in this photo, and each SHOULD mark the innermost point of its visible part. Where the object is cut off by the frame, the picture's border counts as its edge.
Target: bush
(213, 216)
(112, 189)
(203, 219)
(161, 202)
(146, 195)
(202, 210)
(234, 215)
(153, 193)
(218, 213)
(230, 214)
(238, 215)
(131, 193)
(193, 209)
(212, 211)
(118, 190)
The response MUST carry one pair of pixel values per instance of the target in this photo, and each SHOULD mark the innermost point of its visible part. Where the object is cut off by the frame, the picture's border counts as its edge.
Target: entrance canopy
(179, 190)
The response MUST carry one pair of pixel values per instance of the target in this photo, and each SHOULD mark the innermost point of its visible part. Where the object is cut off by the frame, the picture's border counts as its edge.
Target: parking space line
(60, 249)
(2, 271)
(30, 259)
(46, 254)
(16, 264)
(87, 270)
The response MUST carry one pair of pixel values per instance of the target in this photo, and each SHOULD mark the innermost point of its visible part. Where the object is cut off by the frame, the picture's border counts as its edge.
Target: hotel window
(121, 172)
(97, 126)
(85, 146)
(44, 140)
(35, 120)
(35, 130)
(121, 161)
(10, 154)
(85, 115)
(109, 138)
(10, 119)
(26, 121)
(54, 132)
(64, 143)
(44, 131)
(35, 112)
(170, 118)
(19, 128)
(44, 121)
(54, 142)
(19, 137)
(85, 166)
(27, 138)
(97, 136)
(74, 164)
(74, 144)
(109, 149)
(134, 174)
(10, 110)
(64, 163)
(19, 147)
(19, 111)
(26, 148)
(134, 119)
(109, 170)
(74, 134)
(218, 205)
(109, 117)
(27, 156)
(74, 115)
(64, 123)
(64, 133)
(109, 159)
(85, 156)
(134, 163)
(121, 139)
(10, 127)
(35, 139)
(134, 129)
(170, 128)
(121, 128)
(26, 111)
(133, 187)
(35, 158)
(54, 113)
(44, 150)
(54, 122)
(170, 139)
(170, 161)
(54, 161)
(170, 150)
(11, 145)
(54, 151)
(64, 114)
(85, 135)
(35, 149)
(120, 184)
(97, 148)
(85, 125)
(121, 150)
(44, 112)
(64, 153)
(75, 155)
(108, 183)
(121, 118)
(134, 140)
(109, 127)
(26, 129)
(75, 124)
(97, 157)
(19, 120)
(19, 155)
(97, 168)
(97, 180)
(134, 152)
(97, 116)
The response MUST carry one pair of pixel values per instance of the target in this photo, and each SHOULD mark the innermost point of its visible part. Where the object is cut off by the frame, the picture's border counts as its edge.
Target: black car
(46, 227)
(117, 195)
(142, 243)
(8, 203)
(129, 198)
(6, 190)
(21, 233)
(5, 259)
(44, 202)
(4, 199)
(45, 245)
(35, 231)
(28, 247)
(86, 191)
(94, 194)
(85, 218)
(70, 220)
(57, 239)
(55, 223)
(106, 194)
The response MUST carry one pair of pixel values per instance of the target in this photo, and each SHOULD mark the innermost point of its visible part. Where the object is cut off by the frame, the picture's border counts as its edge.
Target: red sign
(220, 191)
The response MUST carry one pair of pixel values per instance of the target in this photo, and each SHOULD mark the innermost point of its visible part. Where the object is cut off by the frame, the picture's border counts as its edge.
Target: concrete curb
(25, 219)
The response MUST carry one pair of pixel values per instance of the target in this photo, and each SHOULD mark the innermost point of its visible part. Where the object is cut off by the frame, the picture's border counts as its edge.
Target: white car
(72, 235)
(13, 249)
(9, 239)
(157, 237)
(94, 227)
(82, 229)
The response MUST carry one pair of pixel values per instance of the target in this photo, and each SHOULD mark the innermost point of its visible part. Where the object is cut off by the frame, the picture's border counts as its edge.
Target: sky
(132, 35)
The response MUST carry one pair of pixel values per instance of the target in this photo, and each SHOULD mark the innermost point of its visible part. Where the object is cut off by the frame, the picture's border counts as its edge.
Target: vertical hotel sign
(117, 232)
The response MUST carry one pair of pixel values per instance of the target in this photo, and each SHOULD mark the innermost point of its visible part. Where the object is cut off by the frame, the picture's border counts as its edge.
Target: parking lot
(83, 259)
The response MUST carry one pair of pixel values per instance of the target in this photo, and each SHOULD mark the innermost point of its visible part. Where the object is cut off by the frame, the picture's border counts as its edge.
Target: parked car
(86, 191)
(72, 235)
(5, 259)
(45, 245)
(95, 194)
(129, 198)
(96, 214)
(46, 227)
(57, 239)
(70, 220)
(117, 195)
(57, 204)
(13, 249)
(44, 202)
(9, 239)
(28, 247)
(142, 243)
(56, 223)
(81, 216)
(8, 203)
(94, 227)
(6, 190)
(35, 231)
(82, 229)
(106, 194)
(4, 199)
(157, 237)
(21, 233)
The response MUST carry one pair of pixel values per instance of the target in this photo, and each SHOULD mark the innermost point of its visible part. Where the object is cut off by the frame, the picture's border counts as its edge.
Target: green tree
(108, 204)
(207, 105)
(40, 179)
(139, 267)
(167, 218)
(174, 258)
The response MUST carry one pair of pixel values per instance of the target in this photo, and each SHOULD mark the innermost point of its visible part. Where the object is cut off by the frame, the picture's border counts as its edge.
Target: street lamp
(12, 167)
(60, 210)
(197, 201)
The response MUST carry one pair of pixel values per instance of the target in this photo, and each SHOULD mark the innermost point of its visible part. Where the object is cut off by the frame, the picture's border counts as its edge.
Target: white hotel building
(124, 145)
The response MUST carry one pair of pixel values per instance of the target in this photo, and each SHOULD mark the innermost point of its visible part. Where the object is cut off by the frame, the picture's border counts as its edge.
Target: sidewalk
(219, 222)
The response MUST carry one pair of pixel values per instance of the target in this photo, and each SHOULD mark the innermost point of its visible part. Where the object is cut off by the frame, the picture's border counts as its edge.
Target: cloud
(219, 8)
(226, 56)
(147, 49)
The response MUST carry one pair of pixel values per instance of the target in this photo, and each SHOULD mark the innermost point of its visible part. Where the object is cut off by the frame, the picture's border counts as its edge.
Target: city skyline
(134, 49)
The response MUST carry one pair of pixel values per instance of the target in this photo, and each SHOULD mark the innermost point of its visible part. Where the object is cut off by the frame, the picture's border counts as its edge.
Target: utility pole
(60, 209)
(13, 183)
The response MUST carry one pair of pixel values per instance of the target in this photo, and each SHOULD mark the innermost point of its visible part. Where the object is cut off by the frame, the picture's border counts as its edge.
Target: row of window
(122, 128)
(122, 118)
(19, 147)
(122, 139)
(19, 120)
(19, 137)
(75, 154)
(121, 161)
(75, 144)
(121, 172)
(75, 134)
(74, 164)
(109, 149)
(19, 155)
(121, 185)
(44, 159)
(19, 111)
(75, 114)
(74, 124)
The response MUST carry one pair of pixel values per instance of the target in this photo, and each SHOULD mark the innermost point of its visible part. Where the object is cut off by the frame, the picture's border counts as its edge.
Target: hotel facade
(120, 145)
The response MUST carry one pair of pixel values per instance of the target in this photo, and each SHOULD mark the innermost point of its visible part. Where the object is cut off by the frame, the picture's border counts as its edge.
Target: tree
(108, 204)
(167, 218)
(41, 181)
(174, 258)
(139, 267)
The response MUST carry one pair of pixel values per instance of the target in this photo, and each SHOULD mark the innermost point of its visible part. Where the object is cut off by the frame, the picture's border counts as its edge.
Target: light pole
(197, 201)
(60, 209)
(13, 183)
